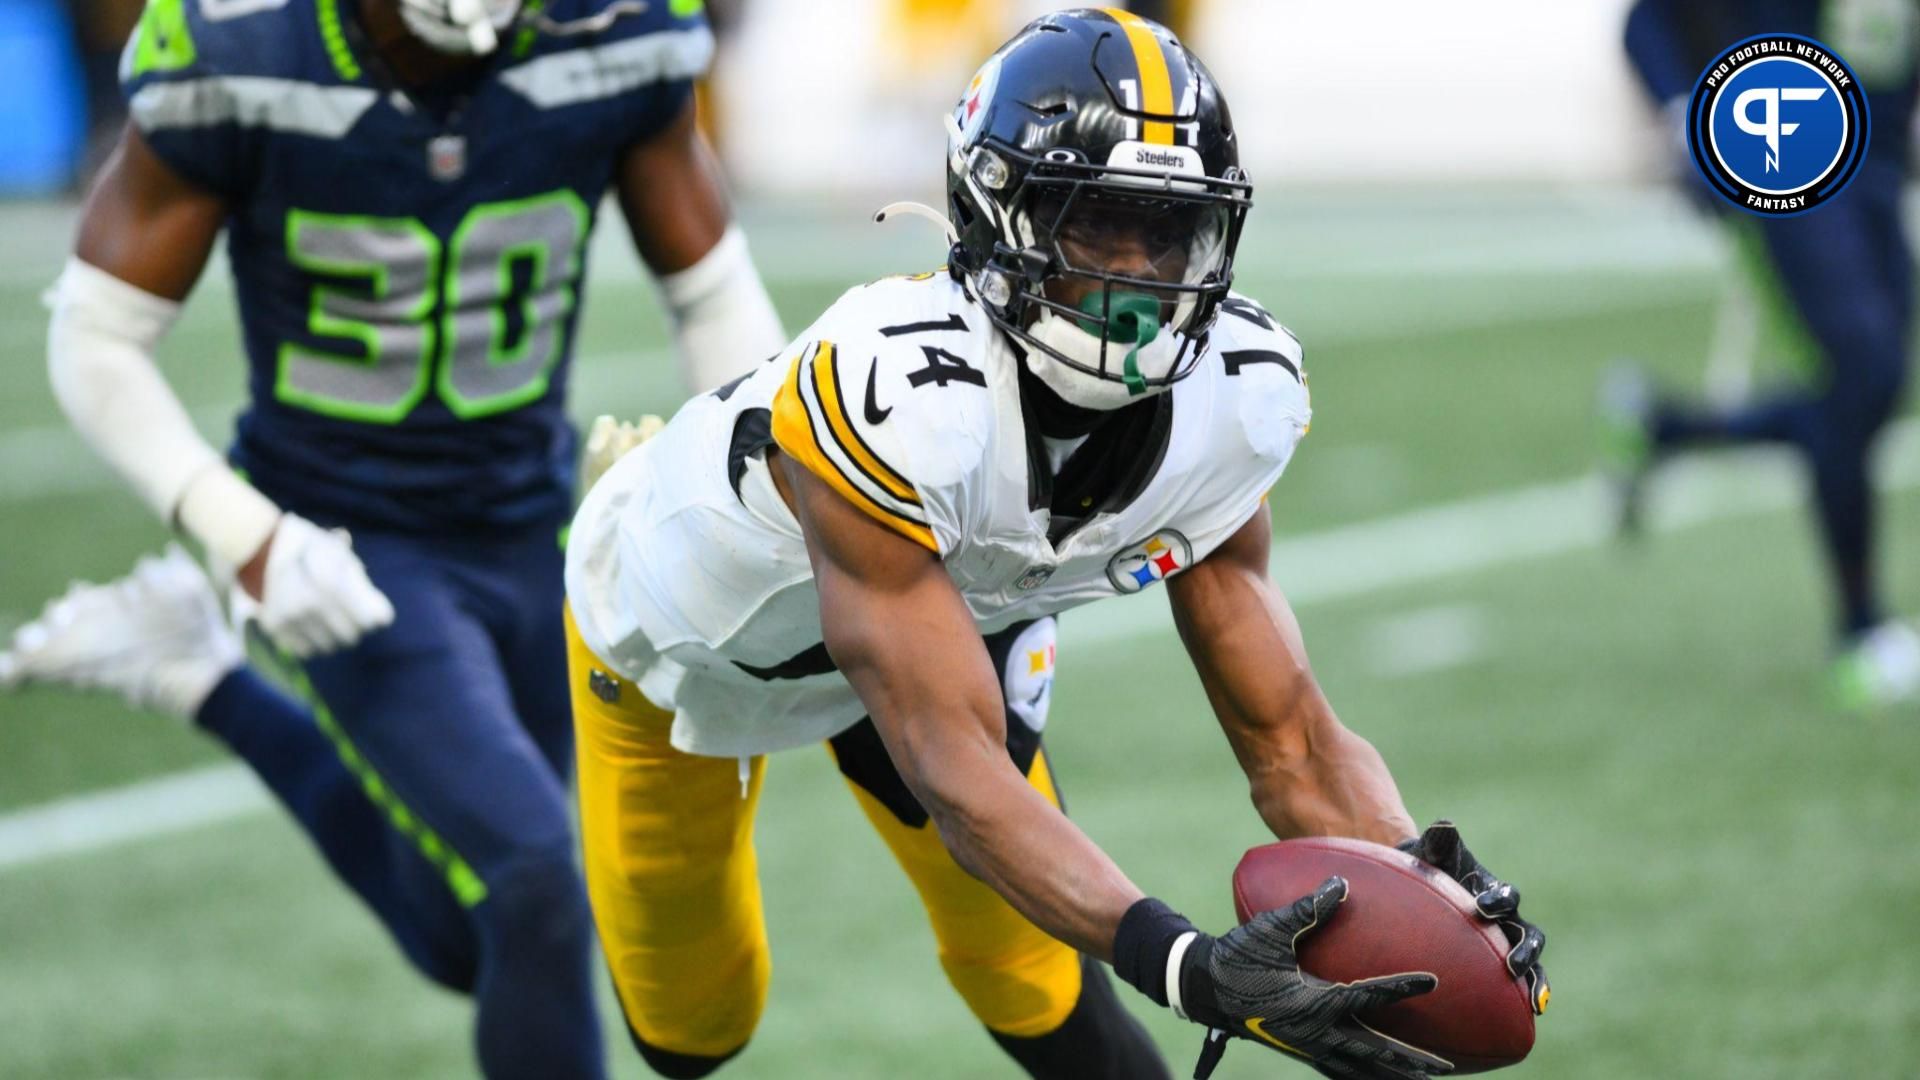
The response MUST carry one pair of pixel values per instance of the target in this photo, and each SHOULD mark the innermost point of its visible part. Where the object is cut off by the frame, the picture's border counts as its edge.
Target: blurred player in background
(101, 27)
(407, 188)
(1846, 273)
(866, 542)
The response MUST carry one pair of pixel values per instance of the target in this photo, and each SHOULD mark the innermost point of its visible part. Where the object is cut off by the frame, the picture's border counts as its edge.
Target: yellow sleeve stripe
(826, 387)
(794, 433)
(1156, 83)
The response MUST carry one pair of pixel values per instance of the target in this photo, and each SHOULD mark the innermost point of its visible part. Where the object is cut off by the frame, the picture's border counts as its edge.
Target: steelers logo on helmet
(1098, 199)
(974, 105)
(1778, 124)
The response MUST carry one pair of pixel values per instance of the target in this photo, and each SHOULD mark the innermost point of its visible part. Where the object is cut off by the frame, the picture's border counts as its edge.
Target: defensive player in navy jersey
(407, 188)
(1844, 276)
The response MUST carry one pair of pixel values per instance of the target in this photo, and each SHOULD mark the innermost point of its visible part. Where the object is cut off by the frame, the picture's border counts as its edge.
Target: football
(1400, 915)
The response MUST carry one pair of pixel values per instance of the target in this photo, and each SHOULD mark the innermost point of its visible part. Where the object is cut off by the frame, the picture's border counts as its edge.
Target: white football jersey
(688, 574)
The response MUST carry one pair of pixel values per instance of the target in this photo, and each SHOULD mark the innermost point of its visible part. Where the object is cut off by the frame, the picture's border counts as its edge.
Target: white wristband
(724, 322)
(1174, 956)
(226, 514)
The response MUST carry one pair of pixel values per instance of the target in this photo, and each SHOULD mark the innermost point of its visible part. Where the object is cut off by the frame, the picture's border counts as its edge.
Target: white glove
(608, 440)
(316, 596)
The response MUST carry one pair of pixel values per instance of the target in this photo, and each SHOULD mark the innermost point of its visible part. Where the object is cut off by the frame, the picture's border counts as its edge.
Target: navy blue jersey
(408, 267)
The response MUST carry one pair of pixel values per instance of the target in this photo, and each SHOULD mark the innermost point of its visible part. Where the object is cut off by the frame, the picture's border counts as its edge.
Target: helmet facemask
(1111, 275)
(1124, 301)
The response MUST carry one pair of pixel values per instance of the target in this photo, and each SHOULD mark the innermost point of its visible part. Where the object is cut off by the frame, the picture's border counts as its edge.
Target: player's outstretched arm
(901, 634)
(675, 201)
(145, 234)
(1309, 775)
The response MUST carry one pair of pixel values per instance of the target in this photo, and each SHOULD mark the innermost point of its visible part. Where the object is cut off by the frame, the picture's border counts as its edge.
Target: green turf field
(1727, 871)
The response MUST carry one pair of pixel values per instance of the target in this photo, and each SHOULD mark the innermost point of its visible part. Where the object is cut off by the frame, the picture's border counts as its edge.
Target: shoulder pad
(197, 39)
(202, 77)
(889, 402)
(621, 21)
(666, 42)
(1263, 367)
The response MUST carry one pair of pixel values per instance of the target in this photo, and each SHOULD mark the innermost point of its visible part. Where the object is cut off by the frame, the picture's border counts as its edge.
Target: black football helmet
(1094, 183)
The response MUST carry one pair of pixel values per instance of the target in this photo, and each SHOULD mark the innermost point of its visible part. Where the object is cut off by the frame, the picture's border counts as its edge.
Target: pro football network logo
(1778, 124)
(1156, 558)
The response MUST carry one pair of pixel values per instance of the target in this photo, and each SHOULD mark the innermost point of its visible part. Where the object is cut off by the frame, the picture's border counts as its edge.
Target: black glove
(1498, 901)
(1248, 983)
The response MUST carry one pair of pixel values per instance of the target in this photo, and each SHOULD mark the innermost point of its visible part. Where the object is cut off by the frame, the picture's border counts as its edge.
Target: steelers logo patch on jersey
(1156, 558)
(1029, 675)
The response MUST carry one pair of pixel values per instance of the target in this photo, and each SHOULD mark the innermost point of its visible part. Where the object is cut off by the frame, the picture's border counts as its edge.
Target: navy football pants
(432, 773)
(1848, 271)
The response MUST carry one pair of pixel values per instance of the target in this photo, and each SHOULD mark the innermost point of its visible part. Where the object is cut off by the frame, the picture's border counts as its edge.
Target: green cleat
(1879, 670)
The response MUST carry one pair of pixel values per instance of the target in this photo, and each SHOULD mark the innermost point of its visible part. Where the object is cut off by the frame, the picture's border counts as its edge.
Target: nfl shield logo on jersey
(1156, 558)
(1034, 577)
(447, 157)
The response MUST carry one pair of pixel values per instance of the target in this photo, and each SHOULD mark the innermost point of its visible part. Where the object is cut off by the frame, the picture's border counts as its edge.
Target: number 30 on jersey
(493, 300)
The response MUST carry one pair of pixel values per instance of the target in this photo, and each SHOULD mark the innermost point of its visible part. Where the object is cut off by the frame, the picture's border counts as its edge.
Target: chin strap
(1130, 369)
(917, 210)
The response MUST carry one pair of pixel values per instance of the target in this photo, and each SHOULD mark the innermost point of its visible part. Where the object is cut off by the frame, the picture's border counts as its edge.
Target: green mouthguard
(1132, 319)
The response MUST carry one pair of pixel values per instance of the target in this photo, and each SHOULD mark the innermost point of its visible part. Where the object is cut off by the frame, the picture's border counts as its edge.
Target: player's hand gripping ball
(1401, 915)
(1497, 902)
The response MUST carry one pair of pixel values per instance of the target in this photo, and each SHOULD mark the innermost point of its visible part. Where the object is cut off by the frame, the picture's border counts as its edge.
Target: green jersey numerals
(491, 305)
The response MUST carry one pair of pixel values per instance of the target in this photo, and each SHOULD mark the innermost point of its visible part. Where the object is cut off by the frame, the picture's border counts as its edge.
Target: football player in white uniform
(865, 541)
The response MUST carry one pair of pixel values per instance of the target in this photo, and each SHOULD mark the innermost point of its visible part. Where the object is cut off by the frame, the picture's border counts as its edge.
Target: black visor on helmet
(1114, 248)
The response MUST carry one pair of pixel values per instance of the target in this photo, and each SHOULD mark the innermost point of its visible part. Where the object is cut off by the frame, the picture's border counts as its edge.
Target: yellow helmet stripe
(1156, 82)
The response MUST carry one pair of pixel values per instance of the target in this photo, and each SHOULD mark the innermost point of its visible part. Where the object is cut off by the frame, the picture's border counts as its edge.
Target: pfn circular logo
(1778, 124)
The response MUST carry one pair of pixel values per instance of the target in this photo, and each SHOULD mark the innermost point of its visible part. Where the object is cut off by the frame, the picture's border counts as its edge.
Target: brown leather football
(1400, 915)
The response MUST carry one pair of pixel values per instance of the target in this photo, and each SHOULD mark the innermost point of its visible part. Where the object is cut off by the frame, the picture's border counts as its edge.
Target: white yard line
(1427, 640)
(158, 807)
(1367, 558)
(1502, 528)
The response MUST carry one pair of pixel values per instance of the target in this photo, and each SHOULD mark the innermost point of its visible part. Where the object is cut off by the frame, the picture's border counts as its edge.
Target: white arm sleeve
(100, 360)
(723, 321)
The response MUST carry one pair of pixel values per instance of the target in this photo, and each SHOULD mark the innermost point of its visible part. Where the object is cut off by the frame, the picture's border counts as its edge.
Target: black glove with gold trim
(1247, 983)
(1440, 846)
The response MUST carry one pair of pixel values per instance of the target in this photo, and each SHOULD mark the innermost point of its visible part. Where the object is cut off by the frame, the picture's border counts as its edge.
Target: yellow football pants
(675, 888)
